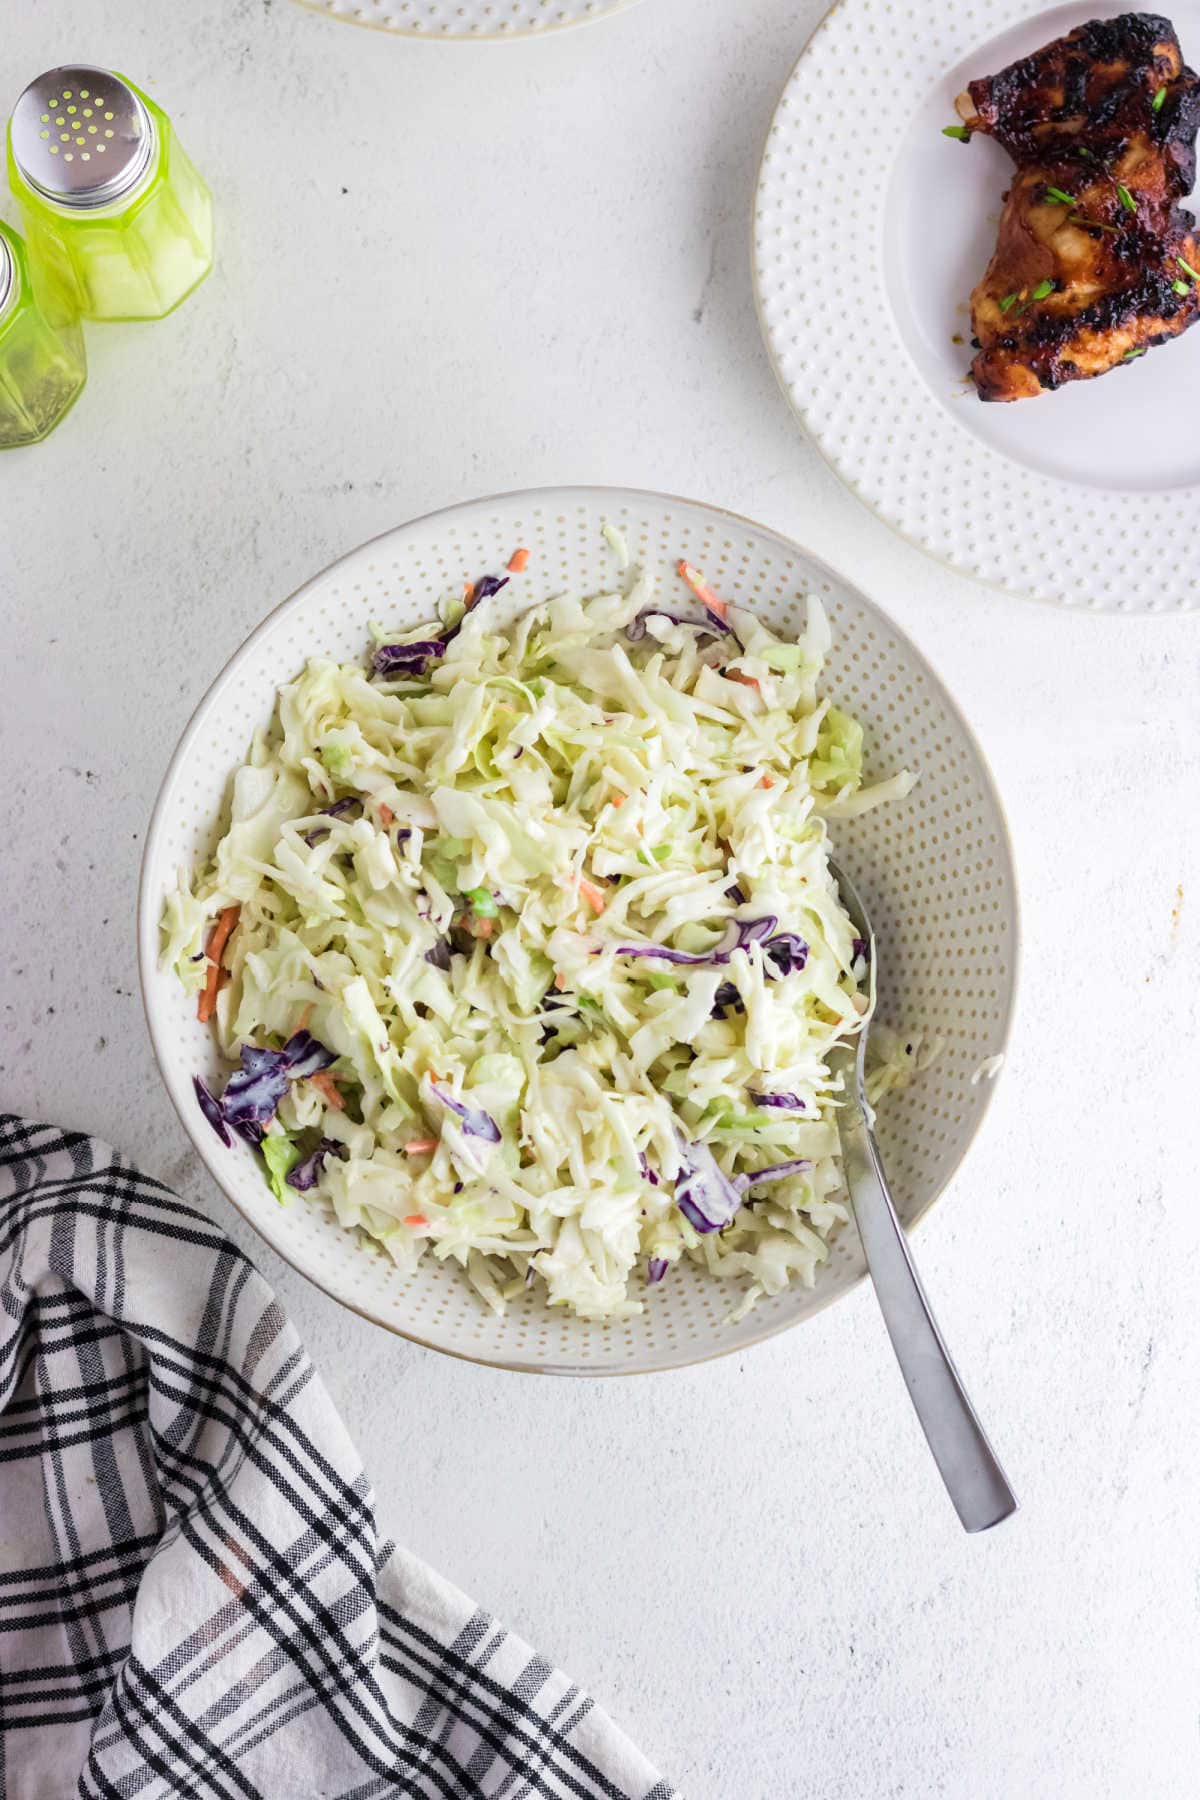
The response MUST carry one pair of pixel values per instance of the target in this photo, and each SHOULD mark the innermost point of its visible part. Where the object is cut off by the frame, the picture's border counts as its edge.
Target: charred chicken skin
(1095, 261)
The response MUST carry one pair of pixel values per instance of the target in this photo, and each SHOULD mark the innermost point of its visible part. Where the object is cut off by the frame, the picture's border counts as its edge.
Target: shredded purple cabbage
(305, 1056)
(635, 631)
(776, 1172)
(473, 1120)
(662, 953)
(859, 948)
(439, 956)
(656, 1269)
(306, 1174)
(705, 1195)
(336, 811)
(734, 893)
(738, 933)
(254, 1091)
(728, 995)
(792, 1102)
(755, 931)
(787, 951)
(392, 660)
(486, 586)
(647, 1172)
(210, 1106)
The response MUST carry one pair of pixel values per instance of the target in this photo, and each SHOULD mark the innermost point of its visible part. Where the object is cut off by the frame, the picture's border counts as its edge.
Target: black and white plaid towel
(193, 1597)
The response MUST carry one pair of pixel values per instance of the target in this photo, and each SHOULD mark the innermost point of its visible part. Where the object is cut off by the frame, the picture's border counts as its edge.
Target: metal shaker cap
(80, 137)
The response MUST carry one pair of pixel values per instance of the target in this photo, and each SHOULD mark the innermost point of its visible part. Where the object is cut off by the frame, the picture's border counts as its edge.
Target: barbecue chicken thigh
(1095, 261)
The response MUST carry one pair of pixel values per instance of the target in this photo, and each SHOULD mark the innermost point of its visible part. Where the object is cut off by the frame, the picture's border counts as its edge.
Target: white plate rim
(149, 897)
(515, 35)
(1060, 496)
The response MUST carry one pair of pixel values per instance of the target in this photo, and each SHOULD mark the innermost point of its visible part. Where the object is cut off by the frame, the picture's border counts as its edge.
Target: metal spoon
(968, 1465)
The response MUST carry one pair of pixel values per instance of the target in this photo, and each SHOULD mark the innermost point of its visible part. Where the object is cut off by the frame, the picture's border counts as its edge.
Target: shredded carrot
(560, 982)
(518, 560)
(746, 680)
(216, 950)
(478, 928)
(417, 1220)
(468, 591)
(327, 1087)
(701, 589)
(591, 893)
(766, 782)
(420, 1147)
(618, 800)
(386, 814)
(305, 1016)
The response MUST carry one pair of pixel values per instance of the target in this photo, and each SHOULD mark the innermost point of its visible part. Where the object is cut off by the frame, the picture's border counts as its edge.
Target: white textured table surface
(449, 270)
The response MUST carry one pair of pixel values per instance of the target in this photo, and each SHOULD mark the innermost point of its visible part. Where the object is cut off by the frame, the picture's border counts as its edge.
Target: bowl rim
(149, 905)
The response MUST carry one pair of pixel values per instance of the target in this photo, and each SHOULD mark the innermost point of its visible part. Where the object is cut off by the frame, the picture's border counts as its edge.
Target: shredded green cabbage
(535, 805)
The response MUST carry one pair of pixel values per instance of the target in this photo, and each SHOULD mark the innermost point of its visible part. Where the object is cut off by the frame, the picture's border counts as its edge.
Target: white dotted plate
(935, 870)
(871, 229)
(478, 19)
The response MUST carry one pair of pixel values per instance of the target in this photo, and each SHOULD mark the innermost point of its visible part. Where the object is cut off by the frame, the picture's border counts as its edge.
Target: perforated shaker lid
(81, 137)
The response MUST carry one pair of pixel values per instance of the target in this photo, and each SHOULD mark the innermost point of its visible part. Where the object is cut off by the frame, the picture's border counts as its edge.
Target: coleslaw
(524, 942)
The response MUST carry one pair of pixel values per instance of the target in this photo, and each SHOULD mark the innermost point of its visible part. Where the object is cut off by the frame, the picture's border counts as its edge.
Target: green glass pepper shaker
(42, 365)
(111, 206)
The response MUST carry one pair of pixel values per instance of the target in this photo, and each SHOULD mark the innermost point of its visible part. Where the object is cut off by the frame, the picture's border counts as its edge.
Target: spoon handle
(968, 1465)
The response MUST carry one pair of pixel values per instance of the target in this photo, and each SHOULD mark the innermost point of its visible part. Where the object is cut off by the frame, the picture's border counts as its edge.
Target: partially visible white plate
(477, 19)
(871, 229)
(935, 871)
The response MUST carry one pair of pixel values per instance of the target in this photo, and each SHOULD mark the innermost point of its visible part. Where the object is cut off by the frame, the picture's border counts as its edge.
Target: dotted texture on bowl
(467, 18)
(934, 869)
(818, 270)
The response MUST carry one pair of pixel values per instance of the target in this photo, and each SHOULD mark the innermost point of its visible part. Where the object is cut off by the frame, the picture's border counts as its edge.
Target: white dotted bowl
(935, 870)
(473, 19)
(871, 228)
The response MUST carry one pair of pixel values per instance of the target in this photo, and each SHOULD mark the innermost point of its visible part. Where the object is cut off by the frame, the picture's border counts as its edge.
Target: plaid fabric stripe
(193, 1596)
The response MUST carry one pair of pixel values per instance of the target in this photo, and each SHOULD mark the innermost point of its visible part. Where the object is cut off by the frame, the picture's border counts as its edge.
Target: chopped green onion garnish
(1042, 289)
(1156, 103)
(1181, 287)
(1059, 198)
(1130, 355)
(483, 904)
(956, 131)
(1126, 198)
(1187, 268)
(1008, 300)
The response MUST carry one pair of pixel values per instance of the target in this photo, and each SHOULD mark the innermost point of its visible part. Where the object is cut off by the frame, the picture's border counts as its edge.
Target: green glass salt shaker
(112, 208)
(42, 364)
